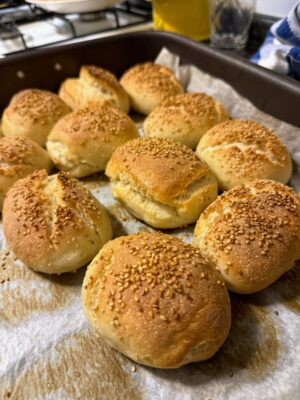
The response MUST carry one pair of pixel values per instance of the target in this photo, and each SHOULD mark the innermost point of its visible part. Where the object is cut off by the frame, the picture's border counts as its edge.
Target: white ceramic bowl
(74, 6)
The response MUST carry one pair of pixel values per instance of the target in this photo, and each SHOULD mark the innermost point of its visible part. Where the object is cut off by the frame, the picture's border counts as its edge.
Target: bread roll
(239, 151)
(32, 113)
(154, 299)
(82, 142)
(94, 86)
(19, 157)
(251, 234)
(161, 182)
(148, 85)
(184, 118)
(53, 224)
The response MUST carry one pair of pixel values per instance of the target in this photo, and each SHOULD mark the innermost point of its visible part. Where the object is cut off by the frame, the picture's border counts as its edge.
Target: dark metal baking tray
(46, 68)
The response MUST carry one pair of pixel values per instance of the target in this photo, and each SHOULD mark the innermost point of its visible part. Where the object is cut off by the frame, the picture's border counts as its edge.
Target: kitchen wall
(278, 8)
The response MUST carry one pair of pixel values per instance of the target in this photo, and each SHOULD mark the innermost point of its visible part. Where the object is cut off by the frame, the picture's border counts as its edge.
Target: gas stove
(25, 26)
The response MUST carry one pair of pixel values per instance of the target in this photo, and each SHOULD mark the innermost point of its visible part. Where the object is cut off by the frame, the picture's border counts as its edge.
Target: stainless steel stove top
(24, 26)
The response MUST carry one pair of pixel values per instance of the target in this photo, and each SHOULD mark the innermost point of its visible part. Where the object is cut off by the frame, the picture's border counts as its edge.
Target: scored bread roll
(32, 113)
(19, 157)
(77, 94)
(251, 234)
(239, 151)
(95, 85)
(185, 118)
(156, 300)
(53, 224)
(161, 182)
(148, 85)
(82, 142)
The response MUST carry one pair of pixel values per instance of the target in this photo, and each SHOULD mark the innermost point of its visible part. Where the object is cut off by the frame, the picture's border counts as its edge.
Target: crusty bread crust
(19, 157)
(161, 181)
(32, 113)
(83, 141)
(239, 151)
(251, 234)
(185, 118)
(148, 85)
(53, 224)
(154, 299)
(95, 85)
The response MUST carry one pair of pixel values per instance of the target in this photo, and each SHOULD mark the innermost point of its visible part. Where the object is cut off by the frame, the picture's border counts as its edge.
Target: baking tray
(251, 353)
(275, 94)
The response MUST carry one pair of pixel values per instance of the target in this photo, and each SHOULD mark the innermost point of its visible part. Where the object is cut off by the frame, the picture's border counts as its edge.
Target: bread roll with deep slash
(95, 86)
(83, 141)
(54, 224)
(161, 182)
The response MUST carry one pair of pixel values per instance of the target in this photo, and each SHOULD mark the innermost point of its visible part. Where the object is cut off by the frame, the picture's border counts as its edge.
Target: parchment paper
(48, 352)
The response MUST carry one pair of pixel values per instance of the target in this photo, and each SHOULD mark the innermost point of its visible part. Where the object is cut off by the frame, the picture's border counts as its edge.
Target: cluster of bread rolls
(161, 302)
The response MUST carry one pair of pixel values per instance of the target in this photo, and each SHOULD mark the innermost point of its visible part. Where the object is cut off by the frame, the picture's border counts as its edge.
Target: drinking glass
(230, 22)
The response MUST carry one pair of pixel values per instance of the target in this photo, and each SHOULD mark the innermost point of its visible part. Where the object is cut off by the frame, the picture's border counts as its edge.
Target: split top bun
(148, 85)
(161, 182)
(251, 234)
(53, 224)
(95, 85)
(156, 300)
(83, 141)
(239, 151)
(19, 157)
(32, 113)
(185, 118)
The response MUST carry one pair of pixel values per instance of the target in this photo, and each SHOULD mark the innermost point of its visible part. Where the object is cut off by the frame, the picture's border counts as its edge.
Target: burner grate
(14, 14)
(9, 30)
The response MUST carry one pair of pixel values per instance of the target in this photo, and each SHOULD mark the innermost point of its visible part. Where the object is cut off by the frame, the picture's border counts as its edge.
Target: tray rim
(233, 59)
(239, 65)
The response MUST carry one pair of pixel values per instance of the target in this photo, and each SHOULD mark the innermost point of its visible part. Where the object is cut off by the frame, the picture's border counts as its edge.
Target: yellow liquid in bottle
(186, 17)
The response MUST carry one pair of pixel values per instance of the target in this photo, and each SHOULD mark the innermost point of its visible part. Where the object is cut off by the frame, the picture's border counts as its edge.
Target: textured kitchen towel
(281, 48)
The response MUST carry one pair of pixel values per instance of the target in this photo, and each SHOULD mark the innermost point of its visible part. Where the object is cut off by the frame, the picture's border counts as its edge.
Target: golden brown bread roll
(32, 113)
(251, 234)
(154, 299)
(83, 141)
(161, 182)
(148, 85)
(184, 118)
(53, 224)
(95, 85)
(19, 157)
(239, 151)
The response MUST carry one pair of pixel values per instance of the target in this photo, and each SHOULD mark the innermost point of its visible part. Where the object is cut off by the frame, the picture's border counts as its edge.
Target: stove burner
(8, 29)
(92, 16)
(26, 26)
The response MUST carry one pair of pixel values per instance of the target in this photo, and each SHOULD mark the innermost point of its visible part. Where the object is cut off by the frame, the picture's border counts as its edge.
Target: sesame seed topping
(245, 148)
(150, 280)
(37, 105)
(42, 208)
(153, 77)
(261, 213)
(158, 156)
